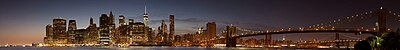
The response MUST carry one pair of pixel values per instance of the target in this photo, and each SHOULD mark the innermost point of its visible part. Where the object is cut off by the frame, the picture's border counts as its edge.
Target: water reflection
(146, 48)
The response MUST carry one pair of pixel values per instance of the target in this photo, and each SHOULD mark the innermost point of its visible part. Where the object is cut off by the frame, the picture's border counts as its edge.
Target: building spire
(145, 10)
(145, 7)
(145, 16)
(110, 11)
(91, 21)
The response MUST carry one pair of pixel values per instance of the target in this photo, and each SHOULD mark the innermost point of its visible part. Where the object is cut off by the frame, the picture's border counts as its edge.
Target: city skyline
(188, 19)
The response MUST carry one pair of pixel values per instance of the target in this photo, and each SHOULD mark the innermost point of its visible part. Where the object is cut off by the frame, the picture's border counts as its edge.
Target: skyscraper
(111, 18)
(130, 21)
(91, 21)
(107, 29)
(122, 35)
(104, 20)
(164, 30)
(71, 31)
(139, 33)
(93, 34)
(211, 30)
(49, 34)
(145, 16)
(59, 30)
(122, 20)
(49, 30)
(171, 27)
(71, 25)
(81, 36)
(105, 33)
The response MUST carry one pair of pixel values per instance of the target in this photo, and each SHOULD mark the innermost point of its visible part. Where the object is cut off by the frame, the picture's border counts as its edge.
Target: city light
(199, 25)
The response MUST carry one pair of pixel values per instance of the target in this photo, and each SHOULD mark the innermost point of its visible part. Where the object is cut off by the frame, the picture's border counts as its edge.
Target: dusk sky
(24, 21)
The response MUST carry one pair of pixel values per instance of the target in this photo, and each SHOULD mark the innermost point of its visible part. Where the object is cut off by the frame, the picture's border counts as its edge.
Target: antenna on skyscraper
(145, 7)
(145, 15)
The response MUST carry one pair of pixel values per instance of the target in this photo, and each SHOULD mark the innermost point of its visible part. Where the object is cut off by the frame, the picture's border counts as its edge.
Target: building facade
(49, 39)
(211, 30)
(139, 33)
(107, 33)
(93, 33)
(171, 28)
(59, 30)
(71, 31)
(107, 29)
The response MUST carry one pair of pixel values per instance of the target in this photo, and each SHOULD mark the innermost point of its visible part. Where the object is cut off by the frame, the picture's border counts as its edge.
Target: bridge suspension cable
(333, 23)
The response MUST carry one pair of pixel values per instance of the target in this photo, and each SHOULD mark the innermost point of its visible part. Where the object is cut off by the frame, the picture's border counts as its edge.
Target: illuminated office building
(71, 31)
(139, 33)
(122, 36)
(81, 36)
(171, 27)
(59, 31)
(131, 21)
(49, 35)
(107, 28)
(164, 31)
(145, 17)
(122, 20)
(211, 30)
(93, 33)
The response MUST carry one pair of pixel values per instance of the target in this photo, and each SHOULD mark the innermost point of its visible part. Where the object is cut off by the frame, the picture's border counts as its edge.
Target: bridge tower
(268, 39)
(381, 23)
(337, 38)
(230, 31)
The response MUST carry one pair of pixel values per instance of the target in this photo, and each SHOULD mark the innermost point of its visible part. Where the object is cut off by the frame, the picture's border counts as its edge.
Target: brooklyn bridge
(379, 17)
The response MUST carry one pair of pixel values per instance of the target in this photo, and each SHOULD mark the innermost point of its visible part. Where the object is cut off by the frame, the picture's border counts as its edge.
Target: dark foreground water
(147, 48)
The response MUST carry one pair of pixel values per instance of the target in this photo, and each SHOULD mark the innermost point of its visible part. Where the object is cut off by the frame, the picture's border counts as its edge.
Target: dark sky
(23, 21)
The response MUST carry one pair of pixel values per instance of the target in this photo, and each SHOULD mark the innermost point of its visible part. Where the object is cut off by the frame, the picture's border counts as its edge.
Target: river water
(148, 48)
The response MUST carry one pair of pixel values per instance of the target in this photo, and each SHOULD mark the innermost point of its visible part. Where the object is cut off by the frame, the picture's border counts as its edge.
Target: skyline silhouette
(23, 22)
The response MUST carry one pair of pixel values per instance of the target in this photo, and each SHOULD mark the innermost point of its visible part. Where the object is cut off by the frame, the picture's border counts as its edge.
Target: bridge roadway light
(374, 28)
(346, 29)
